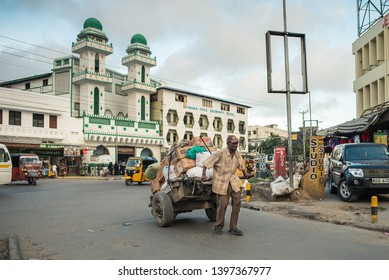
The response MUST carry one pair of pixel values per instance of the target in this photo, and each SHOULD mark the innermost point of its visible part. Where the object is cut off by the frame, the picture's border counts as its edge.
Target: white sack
(169, 173)
(201, 157)
(296, 180)
(279, 187)
(197, 171)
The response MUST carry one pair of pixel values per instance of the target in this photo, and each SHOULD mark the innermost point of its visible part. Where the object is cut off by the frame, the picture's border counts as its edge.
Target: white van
(5, 166)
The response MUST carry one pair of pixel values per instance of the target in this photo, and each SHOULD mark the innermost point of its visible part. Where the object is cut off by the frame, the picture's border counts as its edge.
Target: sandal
(235, 231)
(218, 231)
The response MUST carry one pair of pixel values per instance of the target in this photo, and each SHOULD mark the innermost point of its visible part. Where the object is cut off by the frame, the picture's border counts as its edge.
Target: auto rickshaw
(26, 167)
(135, 169)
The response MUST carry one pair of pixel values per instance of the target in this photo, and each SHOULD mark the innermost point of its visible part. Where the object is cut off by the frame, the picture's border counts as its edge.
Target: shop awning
(372, 119)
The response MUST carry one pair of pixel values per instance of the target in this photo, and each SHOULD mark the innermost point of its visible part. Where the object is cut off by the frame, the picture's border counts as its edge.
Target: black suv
(358, 168)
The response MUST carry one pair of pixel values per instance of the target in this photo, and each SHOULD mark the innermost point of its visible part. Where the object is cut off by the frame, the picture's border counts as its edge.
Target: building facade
(184, 114)
(371, 51)
(257, 134)
(102, 112)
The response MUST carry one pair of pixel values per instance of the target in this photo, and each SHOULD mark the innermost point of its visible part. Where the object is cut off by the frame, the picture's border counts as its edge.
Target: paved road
(85, 219)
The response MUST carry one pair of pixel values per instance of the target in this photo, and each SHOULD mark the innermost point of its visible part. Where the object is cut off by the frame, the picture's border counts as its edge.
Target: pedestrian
(122, 167)
(116, 168)
(54, 169)
(225, 163)
(110, 167)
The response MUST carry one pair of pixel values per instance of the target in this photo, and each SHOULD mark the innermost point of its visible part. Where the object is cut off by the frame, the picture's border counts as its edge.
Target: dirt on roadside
(300, 204)
(4, 253)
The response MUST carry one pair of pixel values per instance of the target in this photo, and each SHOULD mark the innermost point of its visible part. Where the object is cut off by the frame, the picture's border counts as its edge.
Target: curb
(315, 216)
(13, 248)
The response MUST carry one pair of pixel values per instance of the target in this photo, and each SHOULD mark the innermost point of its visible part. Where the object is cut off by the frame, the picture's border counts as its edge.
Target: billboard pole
(288, 101)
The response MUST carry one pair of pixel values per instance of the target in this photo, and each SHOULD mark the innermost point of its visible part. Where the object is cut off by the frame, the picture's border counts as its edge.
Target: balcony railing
(89, 43)
(32, 132)
(94, 76)
(149, 61)
(135, 85)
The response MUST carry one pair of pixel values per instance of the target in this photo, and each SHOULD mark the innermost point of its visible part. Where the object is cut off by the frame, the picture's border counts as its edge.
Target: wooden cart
(184, 194)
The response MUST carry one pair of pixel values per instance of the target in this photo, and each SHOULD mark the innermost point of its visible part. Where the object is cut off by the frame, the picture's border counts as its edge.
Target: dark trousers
(222, 203)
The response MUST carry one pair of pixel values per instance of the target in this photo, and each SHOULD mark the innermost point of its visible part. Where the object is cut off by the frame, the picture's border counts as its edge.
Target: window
(53, 121)
(240, 110)
(45, 82)
(180, 98)
(1, 116)
(97, 62)
(3, 156)
(15, 118)
(38, 120)
(143, 74)
(27, 86)
(96, 101)
(225, 107)
(230, 126)
(143, 108)
(207, 103)
(153, 98)
(188, 120)
(77, 108)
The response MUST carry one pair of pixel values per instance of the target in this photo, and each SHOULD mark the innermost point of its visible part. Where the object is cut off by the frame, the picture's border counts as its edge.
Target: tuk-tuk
(26, 167)
(135, 169)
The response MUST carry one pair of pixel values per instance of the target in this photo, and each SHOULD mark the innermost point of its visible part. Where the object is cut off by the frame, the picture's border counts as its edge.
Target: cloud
(211, 47)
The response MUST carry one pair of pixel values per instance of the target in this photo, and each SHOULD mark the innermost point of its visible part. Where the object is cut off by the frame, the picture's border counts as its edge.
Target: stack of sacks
(180, 163)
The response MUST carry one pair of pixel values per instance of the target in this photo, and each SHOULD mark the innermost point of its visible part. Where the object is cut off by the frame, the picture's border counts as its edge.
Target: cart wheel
(162, 209)
(128, 182)
(34, 181)
(211, 214)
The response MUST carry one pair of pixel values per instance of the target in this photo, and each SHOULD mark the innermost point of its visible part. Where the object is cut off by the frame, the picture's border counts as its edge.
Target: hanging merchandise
(380, 138)
(333, 142)
(365, 137)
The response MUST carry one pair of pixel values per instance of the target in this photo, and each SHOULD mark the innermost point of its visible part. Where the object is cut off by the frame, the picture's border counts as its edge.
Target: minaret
(138, 86)
(92, 46)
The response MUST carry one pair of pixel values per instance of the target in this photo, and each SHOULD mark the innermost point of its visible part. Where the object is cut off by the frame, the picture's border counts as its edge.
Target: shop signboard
(280, 161)
(315, 178)
(71, 151)
(262, 162)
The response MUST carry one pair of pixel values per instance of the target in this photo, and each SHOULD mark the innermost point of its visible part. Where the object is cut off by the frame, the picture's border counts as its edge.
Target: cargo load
(177, 186)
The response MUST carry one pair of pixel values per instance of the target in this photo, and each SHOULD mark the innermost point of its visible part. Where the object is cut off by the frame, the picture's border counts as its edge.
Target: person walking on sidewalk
(225, 163)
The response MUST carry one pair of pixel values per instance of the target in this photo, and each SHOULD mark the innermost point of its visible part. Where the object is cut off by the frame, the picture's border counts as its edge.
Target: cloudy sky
(211, 47)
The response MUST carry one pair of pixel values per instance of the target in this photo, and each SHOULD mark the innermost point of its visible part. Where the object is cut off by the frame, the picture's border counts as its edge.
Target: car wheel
(128, 182)
(211, 214)
(34, 181)
(162, 209)
(344, 192)
(333, 190)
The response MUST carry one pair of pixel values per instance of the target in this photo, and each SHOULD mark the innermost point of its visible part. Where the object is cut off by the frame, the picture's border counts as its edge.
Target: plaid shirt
(224, 168)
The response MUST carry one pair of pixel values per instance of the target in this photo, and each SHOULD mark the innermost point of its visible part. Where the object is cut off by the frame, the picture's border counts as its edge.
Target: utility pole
(303, 113)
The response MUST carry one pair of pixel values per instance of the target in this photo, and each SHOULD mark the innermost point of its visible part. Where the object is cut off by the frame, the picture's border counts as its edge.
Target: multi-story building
(258, 134)
(112, 113)
(185, 114)
(371, 50)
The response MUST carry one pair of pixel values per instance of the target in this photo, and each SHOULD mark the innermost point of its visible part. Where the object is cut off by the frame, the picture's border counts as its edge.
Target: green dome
(94, 23)
(138, 38)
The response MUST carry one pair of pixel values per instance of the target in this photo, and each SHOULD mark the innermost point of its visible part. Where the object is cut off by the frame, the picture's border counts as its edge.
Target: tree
(274, 140)
(271, 142)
